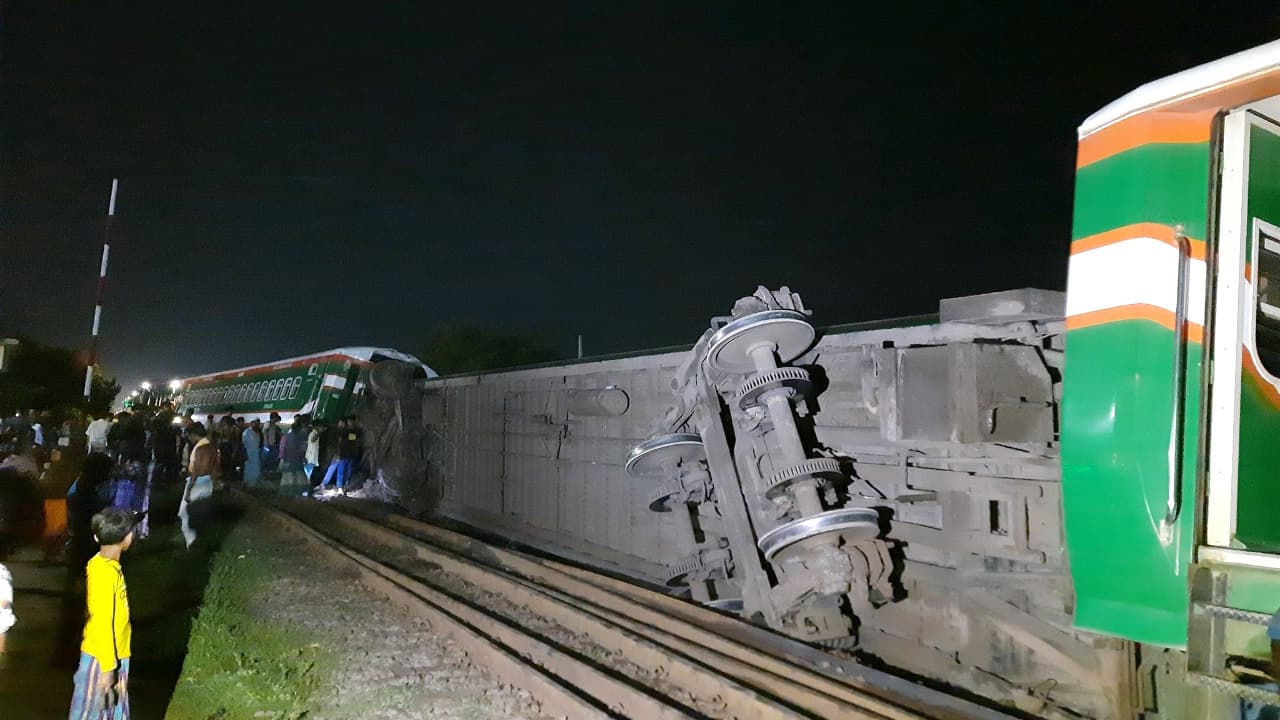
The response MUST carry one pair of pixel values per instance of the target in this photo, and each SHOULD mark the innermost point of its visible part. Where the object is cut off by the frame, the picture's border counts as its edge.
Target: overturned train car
(888, 488)
(1068, 510)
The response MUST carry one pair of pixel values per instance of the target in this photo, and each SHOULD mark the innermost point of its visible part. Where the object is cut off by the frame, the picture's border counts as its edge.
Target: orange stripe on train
(1269, 392)
(1136, 311)
(1183, 120)
(1155, 231)
(1145, 129)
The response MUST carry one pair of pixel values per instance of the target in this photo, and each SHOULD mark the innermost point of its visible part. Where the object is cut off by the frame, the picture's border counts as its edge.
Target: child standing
(102, 680)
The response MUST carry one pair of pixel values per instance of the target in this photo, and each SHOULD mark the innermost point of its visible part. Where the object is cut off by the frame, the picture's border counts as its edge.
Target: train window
(312, 370)
(257, 391)
(275, 389)
(1267, 334)
(293, 387)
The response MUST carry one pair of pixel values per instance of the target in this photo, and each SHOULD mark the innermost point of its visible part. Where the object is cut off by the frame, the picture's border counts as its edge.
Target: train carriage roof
(364, 354)
(1200, 88)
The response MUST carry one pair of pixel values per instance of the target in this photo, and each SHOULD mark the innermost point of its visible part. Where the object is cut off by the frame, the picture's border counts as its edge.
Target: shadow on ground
(166, 585)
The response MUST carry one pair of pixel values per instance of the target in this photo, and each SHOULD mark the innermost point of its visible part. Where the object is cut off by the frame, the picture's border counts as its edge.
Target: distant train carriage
(325, 385)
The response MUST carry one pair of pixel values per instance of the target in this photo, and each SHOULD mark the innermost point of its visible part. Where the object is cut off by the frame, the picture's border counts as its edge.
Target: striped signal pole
(102, 282)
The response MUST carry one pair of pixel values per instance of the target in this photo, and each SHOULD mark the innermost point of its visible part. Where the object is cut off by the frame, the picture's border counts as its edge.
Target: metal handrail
(1174, 506)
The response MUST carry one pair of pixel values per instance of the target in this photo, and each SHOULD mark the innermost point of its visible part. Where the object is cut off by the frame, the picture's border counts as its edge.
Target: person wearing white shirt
(312, 460)
(97, 432)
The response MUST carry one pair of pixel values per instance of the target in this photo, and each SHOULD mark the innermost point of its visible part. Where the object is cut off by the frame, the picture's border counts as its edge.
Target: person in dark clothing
(131, 436)
(164, 447)
(348, 450)
(293, 457)
(355, 451)
(114, 434)
(84, 500)
(271, 437)
(227, 437)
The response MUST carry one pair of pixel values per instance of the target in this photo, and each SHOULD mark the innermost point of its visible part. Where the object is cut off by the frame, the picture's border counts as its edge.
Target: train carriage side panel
(1179, 178)
(1124, 381)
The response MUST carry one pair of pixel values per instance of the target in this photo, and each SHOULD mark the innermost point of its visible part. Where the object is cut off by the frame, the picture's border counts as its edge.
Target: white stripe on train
(1139, 271)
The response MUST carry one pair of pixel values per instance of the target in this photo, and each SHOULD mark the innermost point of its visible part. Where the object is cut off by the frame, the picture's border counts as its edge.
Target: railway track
(590, 646)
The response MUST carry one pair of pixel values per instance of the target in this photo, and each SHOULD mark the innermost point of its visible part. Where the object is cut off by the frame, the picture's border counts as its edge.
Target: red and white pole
(102, 282)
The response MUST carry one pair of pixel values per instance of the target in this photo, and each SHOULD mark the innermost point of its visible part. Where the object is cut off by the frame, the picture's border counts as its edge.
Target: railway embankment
(285, 632)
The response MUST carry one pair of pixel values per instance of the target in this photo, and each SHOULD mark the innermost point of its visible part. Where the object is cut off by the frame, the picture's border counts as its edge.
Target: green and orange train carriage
(325, 385)
(1171, 399)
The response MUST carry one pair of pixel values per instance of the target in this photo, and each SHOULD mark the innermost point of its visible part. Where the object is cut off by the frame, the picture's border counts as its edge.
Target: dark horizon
(294, 179)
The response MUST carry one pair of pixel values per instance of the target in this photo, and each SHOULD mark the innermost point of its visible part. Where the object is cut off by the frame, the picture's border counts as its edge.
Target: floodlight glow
(175, 385)
(146, 385)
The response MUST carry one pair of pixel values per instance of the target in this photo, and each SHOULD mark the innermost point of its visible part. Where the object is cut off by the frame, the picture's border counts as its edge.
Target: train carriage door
(1235, 579)
(1243, 487)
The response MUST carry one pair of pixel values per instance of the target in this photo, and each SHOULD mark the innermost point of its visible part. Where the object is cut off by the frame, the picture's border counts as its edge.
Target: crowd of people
(91, 483)
(263, 455)
(84, 464)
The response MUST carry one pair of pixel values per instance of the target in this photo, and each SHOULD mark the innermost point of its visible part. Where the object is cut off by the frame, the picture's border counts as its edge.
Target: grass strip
(239, 665)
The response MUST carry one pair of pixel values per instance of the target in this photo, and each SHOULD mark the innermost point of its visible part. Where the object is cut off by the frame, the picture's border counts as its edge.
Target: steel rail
(699, 680)
(733, 688)
(563, 683)
(745, 645)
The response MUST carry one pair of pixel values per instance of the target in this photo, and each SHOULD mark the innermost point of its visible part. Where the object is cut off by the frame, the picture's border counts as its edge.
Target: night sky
(299, 176)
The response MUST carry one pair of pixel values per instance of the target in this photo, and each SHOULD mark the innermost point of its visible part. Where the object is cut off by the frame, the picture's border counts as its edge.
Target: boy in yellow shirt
(102, 680)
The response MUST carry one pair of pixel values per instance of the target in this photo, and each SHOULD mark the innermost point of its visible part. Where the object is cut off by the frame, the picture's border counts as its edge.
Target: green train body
(1170, 420)
(326, 385)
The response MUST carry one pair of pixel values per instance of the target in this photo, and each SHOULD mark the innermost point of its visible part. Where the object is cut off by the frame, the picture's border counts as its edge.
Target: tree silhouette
(456, 348)
(51, 378)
